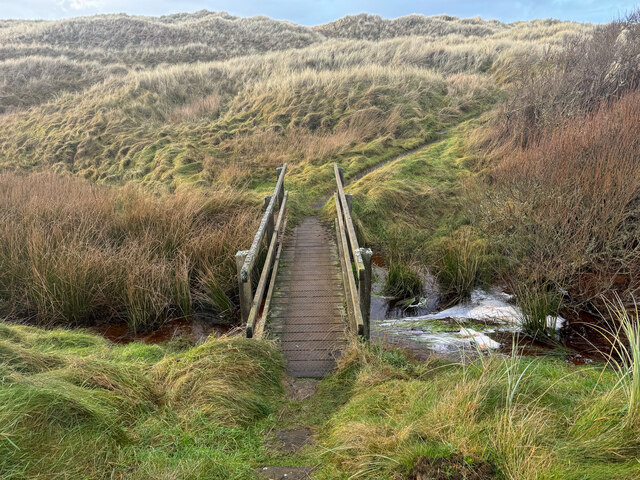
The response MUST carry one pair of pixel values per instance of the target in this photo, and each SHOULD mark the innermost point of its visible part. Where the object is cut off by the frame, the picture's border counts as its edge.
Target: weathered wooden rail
(254, 306)
(310, 295)
(355, 262)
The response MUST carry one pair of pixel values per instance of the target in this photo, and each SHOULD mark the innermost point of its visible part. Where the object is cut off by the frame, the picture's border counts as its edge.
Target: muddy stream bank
(489, 321)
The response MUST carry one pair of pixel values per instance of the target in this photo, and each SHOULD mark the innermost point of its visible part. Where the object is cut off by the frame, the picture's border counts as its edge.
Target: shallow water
(195, 330)
(465, 329)
(488, 321)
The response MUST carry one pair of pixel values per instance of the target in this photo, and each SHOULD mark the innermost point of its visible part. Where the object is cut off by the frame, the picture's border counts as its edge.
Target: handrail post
(269, 226)
(364, 289)
(281, 192)
(349, 198)
(244, 287)
(341, 173)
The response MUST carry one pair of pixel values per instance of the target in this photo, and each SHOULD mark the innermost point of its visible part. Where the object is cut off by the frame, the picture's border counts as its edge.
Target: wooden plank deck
(307, 311)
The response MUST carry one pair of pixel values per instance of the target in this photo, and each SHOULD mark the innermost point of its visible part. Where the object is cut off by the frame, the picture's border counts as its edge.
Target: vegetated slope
(137, 43)
(374, 27)
(306, 105)
(200, 36)
(73, 403)
(218, 126)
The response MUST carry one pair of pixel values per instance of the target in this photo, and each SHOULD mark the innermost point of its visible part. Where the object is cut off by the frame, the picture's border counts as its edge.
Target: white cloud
(80, 4)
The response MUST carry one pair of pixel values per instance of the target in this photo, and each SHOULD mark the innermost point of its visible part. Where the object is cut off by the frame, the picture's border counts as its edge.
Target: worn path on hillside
(307, 311)
(378, 166)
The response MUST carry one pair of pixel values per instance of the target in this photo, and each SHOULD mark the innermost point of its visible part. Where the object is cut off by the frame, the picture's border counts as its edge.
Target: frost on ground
(463, 327)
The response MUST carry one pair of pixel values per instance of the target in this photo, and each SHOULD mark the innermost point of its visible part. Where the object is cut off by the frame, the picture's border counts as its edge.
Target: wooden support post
(349, 199)
(268, 228)
(267, 199)
(244, 287)
(365, 290)
(281, 192)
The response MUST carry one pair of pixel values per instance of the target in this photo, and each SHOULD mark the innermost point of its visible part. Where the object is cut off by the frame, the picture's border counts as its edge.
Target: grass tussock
(625, 352)
(462, 263)
(77, 254)
(517, 418)
(213, 378)
(537, 303)
(403, 282)
(91, 409)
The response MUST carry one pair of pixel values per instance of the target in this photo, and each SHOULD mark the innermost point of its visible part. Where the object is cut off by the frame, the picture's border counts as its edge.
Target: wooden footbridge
(311, 290)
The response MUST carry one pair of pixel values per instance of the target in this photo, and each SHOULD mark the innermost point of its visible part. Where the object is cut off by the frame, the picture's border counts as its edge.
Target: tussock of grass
(525, 417)
(132, 411)
(229, 380)
(403, 282)
(461, 262)
(537, 302)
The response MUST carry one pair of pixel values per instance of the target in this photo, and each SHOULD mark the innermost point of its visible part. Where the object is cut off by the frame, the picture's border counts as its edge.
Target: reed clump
(73, 253)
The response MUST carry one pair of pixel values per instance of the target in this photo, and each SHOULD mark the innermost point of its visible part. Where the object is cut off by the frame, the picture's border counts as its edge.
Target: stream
(487, 321)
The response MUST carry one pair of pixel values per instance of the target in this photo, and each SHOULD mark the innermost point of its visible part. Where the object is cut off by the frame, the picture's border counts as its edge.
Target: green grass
(461, 261)
(525, 417)
(537, 302)
(403, 282)
(73, 403)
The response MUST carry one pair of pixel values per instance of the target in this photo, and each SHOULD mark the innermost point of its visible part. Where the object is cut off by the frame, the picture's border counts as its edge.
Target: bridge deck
(307, 310)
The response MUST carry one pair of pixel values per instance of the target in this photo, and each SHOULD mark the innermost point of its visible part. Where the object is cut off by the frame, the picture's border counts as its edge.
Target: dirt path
(290, 442)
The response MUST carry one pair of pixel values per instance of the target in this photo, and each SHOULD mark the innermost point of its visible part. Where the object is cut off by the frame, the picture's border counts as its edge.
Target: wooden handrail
(245, 259)
(358, 299)
(266, 270)
(351, 293)
(265, 224)
(346, 209)
(260, 323)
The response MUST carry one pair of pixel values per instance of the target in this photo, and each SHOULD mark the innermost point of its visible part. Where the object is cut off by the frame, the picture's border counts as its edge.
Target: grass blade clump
(461, 263)
(230, 380)
(625, 353)
(540, 306)
(403, 282)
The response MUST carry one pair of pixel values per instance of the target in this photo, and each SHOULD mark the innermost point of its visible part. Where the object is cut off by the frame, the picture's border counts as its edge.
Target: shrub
(571, 81)
(565, 210)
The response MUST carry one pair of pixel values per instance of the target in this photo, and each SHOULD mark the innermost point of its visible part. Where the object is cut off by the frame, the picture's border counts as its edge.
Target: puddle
(196, 330)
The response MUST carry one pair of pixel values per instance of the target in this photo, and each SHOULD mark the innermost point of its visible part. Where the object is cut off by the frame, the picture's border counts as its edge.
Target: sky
(322, 11)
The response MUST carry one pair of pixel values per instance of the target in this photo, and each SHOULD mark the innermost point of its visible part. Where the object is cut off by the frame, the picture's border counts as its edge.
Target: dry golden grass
(75, 253)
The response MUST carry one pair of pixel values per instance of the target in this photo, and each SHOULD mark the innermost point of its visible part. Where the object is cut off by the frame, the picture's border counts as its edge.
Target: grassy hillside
(135, 152)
